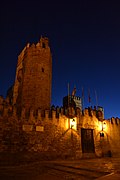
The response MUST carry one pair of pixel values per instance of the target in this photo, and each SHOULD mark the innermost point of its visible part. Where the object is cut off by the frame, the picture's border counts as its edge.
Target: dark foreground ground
(32, 167)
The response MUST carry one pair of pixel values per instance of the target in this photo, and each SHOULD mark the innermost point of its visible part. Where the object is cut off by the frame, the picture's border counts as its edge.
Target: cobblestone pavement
(84, 169)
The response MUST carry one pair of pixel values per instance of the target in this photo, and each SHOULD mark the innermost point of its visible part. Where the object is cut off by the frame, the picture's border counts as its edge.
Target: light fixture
(72, 123)
(103, 125)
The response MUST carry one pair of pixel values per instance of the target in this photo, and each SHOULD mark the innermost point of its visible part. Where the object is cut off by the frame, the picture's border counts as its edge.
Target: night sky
(85, 44)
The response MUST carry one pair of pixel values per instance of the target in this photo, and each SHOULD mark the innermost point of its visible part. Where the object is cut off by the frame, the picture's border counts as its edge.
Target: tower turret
(32, 88)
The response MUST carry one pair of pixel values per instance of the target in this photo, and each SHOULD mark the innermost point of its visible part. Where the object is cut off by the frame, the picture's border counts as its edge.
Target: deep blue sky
(85, 44)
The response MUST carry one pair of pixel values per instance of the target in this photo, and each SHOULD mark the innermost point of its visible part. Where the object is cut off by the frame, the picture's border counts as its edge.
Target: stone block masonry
(32, 88)
(52, 135)
(28, 123)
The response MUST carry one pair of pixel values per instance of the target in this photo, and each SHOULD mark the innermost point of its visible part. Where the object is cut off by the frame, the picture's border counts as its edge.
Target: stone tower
(32, 88)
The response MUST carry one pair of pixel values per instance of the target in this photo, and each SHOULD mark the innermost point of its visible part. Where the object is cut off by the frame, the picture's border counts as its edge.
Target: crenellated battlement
(33, 81)
(43, 129)
(11, 111)
(55, 113)
(29, 122)
(34, 49)
(113, 121)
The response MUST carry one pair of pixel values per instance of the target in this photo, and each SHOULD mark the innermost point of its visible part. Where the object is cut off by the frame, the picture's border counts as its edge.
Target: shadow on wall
(103, 144)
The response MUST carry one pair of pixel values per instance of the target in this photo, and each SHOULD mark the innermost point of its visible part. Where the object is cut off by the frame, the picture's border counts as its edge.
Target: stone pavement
(99, 168)
(83, 169)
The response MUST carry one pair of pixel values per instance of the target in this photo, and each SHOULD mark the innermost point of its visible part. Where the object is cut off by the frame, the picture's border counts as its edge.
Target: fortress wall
(47, 134)
(113, 133)
(50, 133)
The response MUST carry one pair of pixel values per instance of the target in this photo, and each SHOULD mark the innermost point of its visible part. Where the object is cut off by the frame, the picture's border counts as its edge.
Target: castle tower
(32, 88)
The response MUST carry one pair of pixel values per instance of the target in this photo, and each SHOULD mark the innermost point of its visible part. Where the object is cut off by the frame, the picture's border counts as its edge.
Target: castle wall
(49, 135)
(30, 125)
(113, 134)
(53, 136)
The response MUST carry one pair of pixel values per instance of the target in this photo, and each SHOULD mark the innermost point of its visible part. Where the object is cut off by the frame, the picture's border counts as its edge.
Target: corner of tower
(44, 42)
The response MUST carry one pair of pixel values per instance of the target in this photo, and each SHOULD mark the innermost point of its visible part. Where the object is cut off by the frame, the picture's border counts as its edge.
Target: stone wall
(33, 81)
(113, 135)
(45, 134)
(52, 135)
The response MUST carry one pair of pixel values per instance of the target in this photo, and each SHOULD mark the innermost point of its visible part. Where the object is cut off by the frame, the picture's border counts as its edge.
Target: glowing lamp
(103, 126)
(72, 123)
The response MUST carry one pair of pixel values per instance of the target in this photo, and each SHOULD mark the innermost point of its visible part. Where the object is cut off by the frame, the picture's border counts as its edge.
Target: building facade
(29, 123)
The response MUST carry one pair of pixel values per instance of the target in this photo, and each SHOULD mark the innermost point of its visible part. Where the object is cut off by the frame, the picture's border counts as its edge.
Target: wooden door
(87, 140)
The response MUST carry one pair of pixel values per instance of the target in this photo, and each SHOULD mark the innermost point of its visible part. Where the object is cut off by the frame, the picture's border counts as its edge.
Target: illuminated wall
(57, 135)
(32, 88)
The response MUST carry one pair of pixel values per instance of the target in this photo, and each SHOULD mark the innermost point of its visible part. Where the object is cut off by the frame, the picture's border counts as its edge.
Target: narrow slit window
(43, 45)
(42, 69)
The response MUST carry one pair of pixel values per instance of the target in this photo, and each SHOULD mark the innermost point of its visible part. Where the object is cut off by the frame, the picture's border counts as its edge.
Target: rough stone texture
(53, 136)
(29, 124)
(32, 88)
